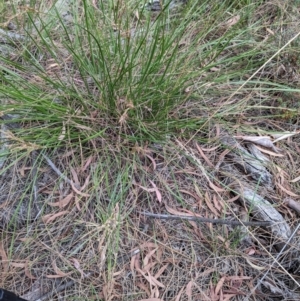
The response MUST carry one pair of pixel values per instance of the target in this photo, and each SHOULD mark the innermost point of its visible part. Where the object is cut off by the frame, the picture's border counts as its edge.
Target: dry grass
(87, 237)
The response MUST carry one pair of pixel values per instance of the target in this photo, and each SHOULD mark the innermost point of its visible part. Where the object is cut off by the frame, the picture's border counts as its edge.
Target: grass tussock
(109, 110)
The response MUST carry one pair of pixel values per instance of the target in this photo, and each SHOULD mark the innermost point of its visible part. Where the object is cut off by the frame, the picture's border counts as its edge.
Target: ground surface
(215, 137)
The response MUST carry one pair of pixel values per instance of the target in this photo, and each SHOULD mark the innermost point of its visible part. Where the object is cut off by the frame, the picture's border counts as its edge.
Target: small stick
(207, 220)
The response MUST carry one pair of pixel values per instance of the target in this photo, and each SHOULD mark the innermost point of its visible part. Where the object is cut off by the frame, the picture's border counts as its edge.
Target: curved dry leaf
(77, 266)
(145, 288)
(232, 21)
(63, 132)
(261, 140)
(210, 205)
(263, 150)
(284, 135)
(152, 160)
(54, 276)
(161, 270)
(146, 245)
(77, 200)
(152, 281)
(18, 264)
(295, 180)
(190, 193)
(87, 163)
(179, 294)
(86, 182)
(219, 285)
(238, 278)
(189, 288)
(148, 267)
(132, 263)
(210, 149)
(180, 213)
(148, 256)
(203, 156)
(62, 203)
(75, 177)
(51, 217)
(215, 187)
(156, 282)
(27, 272)
(287, 191)
(4, 257)
(158, 194)
(58, 271)
(151, 299)
(78, 191)
(219, 205)
(137, 264)
(228, 297)
(256, 267)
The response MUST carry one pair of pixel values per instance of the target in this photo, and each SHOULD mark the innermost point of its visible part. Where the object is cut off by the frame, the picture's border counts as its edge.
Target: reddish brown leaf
(210, 205)
(150, 245)
(148, 267)
(137, 264)
(263, 150)
(77, 203)
(152, 160)
(179, 294)
(87, 163)
(233, 199)
(51, 217)
(152, 281)
(18, 264)
(287, 191)
(151, 299)
(86, 183)
(189, 288)
(228, 297)
(191, 194)
(217, 204)
(58, 271)
(144, 287)
(75, 177)
(79, 192)
(53, 276)
(4, 258)
(216, 188)
(237, 278)
(180, 213)
(161, 270)
(203, 156)
(62, 203)
(27, 272)
(132, 263)
(148, 256)
(295, 180)
(219, 285)
(77, 266)
(158, 194)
